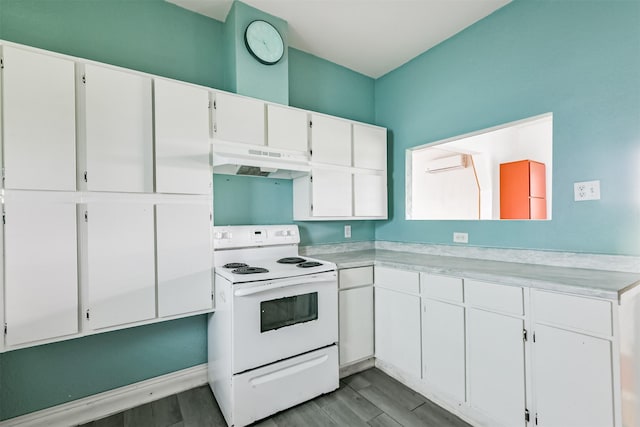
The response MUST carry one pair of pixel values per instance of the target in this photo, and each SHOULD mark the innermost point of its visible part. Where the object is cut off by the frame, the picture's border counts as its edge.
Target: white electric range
(273, 337)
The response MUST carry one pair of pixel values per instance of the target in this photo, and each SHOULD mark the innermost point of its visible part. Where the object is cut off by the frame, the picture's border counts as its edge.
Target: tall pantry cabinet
(100, 231)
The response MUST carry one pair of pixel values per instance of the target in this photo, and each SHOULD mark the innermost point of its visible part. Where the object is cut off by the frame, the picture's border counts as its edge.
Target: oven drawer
(273, 388)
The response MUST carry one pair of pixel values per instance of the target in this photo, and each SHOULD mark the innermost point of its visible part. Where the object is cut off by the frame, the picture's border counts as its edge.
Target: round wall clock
(264, 42)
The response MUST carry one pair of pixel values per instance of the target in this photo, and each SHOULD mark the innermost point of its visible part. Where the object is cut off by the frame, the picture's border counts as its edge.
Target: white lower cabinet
(573, 367)
(183, 242)
(397, 330)
(443, 347)
(496, 365)
(120, 265)
(41, 284)
(356, 324)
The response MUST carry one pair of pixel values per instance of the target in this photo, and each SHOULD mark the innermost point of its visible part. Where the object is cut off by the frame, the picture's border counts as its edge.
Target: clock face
(264, 42)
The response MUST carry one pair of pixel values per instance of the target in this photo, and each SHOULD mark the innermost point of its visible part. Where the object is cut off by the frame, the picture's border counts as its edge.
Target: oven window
(288, 311)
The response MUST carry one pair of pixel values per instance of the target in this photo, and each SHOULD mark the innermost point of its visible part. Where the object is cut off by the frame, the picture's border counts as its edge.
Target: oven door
(277, 319)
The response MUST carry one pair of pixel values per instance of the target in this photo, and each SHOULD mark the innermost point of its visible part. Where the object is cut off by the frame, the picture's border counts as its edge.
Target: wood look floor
(367, 399)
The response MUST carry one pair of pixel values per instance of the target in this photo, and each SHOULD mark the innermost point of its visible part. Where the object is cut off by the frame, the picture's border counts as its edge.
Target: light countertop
(580, 281)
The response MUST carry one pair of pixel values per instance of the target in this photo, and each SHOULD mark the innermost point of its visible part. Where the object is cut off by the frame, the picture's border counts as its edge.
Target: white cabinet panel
(331, 193)
(572, 379)
(184, 258)
(575, 312)
(287, 128)
(398, 280)
(116, 133)
(120, 264)
(39, 121)
(356, 324)
(239, 119)
(369, 147)
(496, 366)
(330, 140)
(370, 195)
(41, 287)
(354, 277)
(182, 149)
(502, 298)
(397, 330)
(443, 347)
(441, 287)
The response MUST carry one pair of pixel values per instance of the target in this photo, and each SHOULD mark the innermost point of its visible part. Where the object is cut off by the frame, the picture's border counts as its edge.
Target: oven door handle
(281, 284)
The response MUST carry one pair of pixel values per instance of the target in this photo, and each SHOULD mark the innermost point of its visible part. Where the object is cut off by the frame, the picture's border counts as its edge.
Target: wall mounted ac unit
(459, 161)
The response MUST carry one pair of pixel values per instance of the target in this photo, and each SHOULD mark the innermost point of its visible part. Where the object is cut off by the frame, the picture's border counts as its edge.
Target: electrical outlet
(347, 231)
(586, 190)
(460, 237)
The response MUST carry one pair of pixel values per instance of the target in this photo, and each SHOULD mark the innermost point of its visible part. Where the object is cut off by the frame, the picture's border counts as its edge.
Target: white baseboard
(113, 401)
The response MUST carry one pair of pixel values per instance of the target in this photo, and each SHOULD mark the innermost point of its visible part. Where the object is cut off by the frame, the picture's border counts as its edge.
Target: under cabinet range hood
(258, 160)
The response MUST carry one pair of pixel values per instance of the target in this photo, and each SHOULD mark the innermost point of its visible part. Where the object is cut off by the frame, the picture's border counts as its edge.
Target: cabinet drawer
(584, 314)
(352, 277)
(502, 298)
(441, 287)
(398, 280)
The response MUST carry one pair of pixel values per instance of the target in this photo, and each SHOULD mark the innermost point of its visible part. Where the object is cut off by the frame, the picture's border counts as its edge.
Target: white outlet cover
(347, 231)
(586, 190)
(460, 237)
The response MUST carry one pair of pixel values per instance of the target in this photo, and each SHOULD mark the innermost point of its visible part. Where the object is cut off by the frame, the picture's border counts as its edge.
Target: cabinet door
(572, 379)
(356, 324)
(370, 195)
(182, 147)
(369, 147)
(183, 234)
(443, 347)
(116, 134)
(397, 330)
(239, 119)
(496, 366)
(287, 128)
(330, 140)
(41, 283)
(120, 264)
(331, 193)
(39, 121)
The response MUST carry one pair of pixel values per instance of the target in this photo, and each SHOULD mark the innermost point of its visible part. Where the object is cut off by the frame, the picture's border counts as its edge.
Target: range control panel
(243, 236)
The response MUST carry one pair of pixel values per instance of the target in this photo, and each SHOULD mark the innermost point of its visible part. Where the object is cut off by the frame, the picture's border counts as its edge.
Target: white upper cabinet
(287, 128)
(331, 193)
(182, 149)
(369, 147)
(120, 264)
(370, 195)
(330, 140)
(183, 258)
(238, 119)
(39, 121)
(115, 130)
(41, 283)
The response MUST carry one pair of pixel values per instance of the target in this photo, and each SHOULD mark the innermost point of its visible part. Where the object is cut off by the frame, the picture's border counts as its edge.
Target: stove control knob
(217, 235)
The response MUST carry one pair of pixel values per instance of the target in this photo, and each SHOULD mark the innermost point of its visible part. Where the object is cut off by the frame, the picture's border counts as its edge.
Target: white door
(287, 128)
(116, 133)
(572, 379)
(370, 195)
(331, 193)
(443, 347)
(183, 234)
(39, 121)
(239, 119)
(356, 324)
(496, 366)
(120, 264)
(182, 148)
(397, 330)
(369, 147)
(41, 283)
(330, 140)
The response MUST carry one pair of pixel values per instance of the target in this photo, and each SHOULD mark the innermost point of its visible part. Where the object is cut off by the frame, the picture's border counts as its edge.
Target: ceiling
(371, 37)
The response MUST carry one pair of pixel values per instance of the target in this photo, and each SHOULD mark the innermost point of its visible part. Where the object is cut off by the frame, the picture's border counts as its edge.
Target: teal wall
(579, 60)
(251, 78)
(159, 38)
(319, 85)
